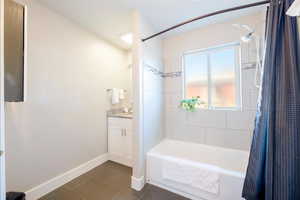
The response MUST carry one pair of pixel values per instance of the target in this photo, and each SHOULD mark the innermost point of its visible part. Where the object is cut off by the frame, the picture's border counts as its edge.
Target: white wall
(62, 124)
(148, 93)
(137, 80)
(232, 129)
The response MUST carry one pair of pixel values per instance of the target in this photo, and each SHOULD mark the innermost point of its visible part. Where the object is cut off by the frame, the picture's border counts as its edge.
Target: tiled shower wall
(225, 128)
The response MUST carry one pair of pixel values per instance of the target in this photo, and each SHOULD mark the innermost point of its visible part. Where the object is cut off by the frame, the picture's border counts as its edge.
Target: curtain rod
(205, 16)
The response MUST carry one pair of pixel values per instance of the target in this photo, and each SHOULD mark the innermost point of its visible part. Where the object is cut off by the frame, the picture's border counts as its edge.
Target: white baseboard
(47, 187)
(137, 183)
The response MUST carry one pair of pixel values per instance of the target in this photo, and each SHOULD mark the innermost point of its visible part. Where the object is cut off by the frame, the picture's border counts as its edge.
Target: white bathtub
(228, 163)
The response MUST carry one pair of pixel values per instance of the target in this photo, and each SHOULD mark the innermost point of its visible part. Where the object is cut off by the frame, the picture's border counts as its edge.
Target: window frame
(237, 69)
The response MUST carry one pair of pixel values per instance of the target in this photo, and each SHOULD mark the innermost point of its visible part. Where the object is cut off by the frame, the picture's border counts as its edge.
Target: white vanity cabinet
(120, 140)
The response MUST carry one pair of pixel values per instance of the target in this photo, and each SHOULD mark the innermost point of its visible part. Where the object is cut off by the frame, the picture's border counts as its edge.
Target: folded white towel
(122, 93)
(197, 175)
(115, 96)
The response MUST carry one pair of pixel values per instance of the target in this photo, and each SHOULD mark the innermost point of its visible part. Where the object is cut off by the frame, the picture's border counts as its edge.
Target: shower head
(248, 37)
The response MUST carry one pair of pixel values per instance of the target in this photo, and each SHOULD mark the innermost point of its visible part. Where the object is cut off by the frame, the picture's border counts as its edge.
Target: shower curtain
(274, 164)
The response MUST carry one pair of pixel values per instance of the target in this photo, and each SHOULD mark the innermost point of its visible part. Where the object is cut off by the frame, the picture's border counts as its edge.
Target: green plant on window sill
(192, 104)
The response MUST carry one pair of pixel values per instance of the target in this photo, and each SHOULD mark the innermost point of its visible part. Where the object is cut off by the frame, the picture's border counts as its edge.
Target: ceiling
(110, 19)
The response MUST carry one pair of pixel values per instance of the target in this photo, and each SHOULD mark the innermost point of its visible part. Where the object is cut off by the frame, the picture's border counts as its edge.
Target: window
(213, 75)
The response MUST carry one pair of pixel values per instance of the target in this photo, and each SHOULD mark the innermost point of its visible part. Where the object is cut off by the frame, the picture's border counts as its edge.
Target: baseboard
(47, 187)
(137, 183)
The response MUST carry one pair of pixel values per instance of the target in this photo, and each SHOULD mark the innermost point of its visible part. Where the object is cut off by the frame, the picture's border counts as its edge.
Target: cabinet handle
(125, 132)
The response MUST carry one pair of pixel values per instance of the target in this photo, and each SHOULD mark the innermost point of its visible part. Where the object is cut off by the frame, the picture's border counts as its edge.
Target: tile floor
(109, 181)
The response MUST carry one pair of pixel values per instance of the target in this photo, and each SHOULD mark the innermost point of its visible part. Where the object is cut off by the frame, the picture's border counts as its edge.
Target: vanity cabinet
(120, 140)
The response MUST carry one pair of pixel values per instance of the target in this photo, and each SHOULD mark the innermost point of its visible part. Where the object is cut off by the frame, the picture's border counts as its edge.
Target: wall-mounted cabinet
(14, 48)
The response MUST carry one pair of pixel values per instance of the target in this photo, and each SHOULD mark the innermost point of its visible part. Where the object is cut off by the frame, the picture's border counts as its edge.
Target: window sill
(218, 109)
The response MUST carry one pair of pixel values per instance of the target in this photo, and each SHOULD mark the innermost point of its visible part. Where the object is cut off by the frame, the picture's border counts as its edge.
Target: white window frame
(238, 83)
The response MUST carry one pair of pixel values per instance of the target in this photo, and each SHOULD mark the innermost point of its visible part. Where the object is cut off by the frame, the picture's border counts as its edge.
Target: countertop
(120, 115)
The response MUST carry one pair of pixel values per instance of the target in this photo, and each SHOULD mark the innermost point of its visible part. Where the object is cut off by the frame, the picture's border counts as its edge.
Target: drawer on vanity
(120, 122)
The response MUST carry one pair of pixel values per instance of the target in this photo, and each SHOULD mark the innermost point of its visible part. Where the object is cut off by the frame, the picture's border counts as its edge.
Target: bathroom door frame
(2, 122)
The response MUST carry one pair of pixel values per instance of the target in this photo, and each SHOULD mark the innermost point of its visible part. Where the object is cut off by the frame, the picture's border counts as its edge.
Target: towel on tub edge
(193, 174)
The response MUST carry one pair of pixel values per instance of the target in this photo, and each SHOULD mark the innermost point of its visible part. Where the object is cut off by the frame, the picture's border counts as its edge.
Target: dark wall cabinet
(14, 24)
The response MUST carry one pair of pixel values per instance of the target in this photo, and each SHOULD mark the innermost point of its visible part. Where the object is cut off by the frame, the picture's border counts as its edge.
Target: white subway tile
(208, 118)
(215, 137)
(168, 99)
(229, 138)
(240, 120)
(254, 99)
(175, 121)
(246, 101)
(250, 100)
(172, 64)
(238, 139)
(248, 80)
(173, 100)
(173, 85)
(193, 133)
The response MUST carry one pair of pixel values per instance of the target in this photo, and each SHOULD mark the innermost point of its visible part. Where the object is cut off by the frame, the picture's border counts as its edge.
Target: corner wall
(62, 123)
(148, 95)
(225, 128)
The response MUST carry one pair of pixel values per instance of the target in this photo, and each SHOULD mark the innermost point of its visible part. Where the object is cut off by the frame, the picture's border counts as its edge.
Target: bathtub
(229, 164)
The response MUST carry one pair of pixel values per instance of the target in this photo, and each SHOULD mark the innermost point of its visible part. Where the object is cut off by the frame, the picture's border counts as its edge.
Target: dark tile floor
(109, 181)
